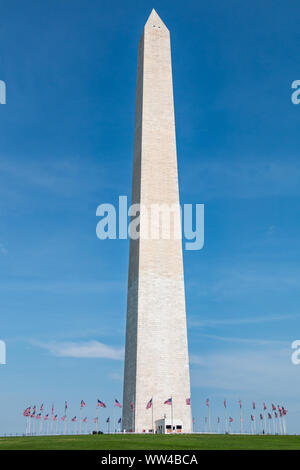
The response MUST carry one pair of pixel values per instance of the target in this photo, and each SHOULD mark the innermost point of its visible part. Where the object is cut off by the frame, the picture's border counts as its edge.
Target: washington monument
(156, 355)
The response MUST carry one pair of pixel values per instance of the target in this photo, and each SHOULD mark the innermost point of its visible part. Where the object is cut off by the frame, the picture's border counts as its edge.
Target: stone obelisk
(156, 354)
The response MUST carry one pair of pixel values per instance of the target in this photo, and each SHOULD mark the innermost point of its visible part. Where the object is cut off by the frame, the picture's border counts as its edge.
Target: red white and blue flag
(149, 404)
(188, 401)
(117, 403)
(132, 406)
(120, 420)
(82, 404)
(207, 402)
(73, 419)
(46, 417)
(100, 403)
(27, 411)
(107, 420)
(168, 401)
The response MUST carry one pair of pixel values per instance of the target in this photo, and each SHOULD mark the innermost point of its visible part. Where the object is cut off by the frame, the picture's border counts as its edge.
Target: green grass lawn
(148, 442)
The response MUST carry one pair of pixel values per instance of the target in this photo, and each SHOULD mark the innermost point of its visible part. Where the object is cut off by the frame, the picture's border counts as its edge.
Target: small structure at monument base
(167, 426)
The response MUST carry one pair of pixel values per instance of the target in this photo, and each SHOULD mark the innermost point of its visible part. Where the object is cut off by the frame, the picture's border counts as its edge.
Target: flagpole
(113, 420)
(241, 418)
(132, 415)
(152, 417)
(80, 417)
(172, 412)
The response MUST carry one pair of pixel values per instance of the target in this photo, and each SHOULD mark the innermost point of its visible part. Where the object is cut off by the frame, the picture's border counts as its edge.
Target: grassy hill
(148, 442)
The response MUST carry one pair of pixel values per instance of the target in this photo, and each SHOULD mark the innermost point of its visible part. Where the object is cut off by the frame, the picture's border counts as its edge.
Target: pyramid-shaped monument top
(154, 21)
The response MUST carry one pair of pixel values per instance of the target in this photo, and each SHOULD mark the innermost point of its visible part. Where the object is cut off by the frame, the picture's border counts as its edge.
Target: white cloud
(212, 323)
(249, 178)
(89, 349)
(266, 374)
(3, 250)
(59, 286)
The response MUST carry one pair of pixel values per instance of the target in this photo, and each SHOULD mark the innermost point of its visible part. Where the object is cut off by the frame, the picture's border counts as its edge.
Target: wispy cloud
(215, 323)
(59, 286)
(262, 373)
(250, 341)
(3, 250)
(89, 349)
(248, 178)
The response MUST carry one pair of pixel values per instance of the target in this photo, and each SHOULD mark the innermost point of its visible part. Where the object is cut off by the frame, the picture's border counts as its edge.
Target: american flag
(107, 420)
(269, 416)
(82, 404)
(27, 411)
(66, 405)
(132, 406)
(252, 418)
(73, 419)
(46, 417)
(119, 421)
(253, 405)
(276, 415)
(52, 410)
(84, 420)
(265, 407)
(149, 404)
(273, 407)
(63, 418)
(261, 416)
(38, 416)
(42, 407)
(188, 401)
(54, 417)
(207, 402)
(100, 403)
(225, 404)
(218, 420)
(230, 419)
(240, 403)
(284, 411)
(95, 420)
(117, 403)
(168, 401)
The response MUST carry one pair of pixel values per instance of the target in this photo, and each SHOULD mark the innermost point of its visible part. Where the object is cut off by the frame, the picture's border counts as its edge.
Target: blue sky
(66, 144)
